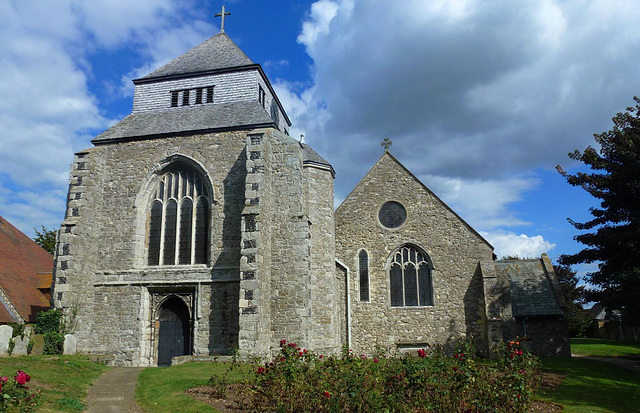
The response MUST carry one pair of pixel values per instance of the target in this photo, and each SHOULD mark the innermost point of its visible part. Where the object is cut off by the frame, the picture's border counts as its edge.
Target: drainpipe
(348, 283)
(348, 308)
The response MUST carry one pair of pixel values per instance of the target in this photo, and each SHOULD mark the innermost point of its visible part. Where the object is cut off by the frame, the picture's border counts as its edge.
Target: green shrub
(18, 329)
(53, 342)
(12, 345)
(47, 321)
(433, 380)
(49, 324)
(29, 346)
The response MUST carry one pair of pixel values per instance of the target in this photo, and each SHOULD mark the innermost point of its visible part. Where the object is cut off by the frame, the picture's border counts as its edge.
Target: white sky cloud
(484, 204)
(46, 108)
(523, 246)
(475, 96)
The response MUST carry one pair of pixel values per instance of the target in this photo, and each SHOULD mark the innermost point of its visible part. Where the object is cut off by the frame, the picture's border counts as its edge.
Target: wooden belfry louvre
(179, 220)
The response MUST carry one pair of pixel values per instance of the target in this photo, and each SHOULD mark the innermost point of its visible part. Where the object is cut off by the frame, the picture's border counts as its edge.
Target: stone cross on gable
(386, 144)
(222, 14)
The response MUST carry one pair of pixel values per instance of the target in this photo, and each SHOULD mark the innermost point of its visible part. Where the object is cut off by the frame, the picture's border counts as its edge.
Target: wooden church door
(174, 336)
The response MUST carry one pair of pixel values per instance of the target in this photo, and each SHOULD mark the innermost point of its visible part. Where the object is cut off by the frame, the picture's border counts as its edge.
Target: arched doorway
(174, 330)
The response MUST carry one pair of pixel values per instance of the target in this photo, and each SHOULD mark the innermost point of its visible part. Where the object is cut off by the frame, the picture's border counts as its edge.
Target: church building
(197, 226)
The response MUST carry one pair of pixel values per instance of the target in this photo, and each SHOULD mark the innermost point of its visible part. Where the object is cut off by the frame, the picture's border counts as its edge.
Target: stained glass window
(155, 232)
(363, 263)
(171, 215)
(395, 280)
(392, 214)
(178, 229)
(186, 215)
(202, 234)
(410, 278)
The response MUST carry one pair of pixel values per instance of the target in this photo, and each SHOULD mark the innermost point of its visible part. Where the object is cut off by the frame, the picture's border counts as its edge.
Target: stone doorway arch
(173, 329)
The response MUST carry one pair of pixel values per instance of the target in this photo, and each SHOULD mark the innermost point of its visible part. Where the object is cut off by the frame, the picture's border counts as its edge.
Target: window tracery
(178, 232)
(410, 278)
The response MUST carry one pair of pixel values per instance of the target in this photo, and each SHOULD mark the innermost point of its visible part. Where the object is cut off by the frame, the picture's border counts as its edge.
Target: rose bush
(15, 395)
(435, 379)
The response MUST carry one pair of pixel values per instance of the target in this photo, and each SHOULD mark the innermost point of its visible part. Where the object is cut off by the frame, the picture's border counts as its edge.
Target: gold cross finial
(386, 144)
(222, 14)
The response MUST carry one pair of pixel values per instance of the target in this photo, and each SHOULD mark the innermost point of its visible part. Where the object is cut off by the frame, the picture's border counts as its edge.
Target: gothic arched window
(410, 278)
(363, 269)
(179, 220)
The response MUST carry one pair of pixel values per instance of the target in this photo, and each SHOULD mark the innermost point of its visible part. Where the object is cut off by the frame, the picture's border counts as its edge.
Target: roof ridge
(217, 52)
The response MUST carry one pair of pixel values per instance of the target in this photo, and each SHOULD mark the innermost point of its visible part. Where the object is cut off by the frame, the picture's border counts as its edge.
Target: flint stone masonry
(5, 335)
(453, 247)
(279, 263)
(112, 284)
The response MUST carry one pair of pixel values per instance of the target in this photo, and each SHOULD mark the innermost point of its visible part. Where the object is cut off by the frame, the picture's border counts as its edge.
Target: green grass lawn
(64, 380)
(605, 348)
(592, 386)
(161, 389)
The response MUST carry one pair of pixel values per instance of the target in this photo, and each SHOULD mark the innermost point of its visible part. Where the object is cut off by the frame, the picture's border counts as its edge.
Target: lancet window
(179, 220)
(363, 264)
(410, 278)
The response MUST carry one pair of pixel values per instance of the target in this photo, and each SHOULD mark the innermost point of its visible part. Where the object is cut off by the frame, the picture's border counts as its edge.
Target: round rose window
(392, 214)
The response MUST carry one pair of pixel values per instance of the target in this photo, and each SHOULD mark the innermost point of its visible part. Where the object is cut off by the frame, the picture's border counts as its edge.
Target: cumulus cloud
(508, 85)
(47, 109)
(476, 97)
(484, 204)
(322, 12)
(510, 244)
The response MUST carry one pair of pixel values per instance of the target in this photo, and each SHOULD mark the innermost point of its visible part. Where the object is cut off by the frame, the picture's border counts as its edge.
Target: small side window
(363, 264)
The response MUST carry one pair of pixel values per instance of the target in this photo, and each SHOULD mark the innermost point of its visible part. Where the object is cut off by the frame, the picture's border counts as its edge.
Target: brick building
(196, 225)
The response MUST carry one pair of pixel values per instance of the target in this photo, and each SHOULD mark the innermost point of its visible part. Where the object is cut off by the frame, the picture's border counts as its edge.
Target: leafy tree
(613, 240)
(46, 239)
(574, 297)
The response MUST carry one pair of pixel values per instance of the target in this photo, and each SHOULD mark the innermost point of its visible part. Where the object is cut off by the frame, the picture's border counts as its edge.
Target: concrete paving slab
(114, 391)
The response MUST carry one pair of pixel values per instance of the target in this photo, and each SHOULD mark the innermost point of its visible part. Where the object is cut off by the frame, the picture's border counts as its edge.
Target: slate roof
(532, 291)
(311, 157)
(21, 262)
(218, 52)
(188, 120)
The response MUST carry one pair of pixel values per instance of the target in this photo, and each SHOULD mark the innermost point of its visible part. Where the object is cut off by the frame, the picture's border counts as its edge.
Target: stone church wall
(255, 313)
(324, 287)
(455, 251)
(104, 245)
(287, 249)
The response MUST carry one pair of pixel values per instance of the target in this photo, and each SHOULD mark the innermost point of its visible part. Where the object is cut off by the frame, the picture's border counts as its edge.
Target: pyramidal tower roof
(218, 52)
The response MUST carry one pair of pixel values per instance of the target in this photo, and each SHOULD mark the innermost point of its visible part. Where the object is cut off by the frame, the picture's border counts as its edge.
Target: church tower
(196, 225)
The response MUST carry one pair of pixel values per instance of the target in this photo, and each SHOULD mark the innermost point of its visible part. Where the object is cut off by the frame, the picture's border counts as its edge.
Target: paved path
(114, 391)
(633, 365)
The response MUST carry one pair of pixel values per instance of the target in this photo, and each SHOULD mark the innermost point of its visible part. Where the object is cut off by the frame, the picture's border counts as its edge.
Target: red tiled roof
(21, 260)
(45, 279)
(5, 316)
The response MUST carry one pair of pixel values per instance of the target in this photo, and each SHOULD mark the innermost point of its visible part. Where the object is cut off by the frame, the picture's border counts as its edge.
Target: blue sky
(481, 99)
